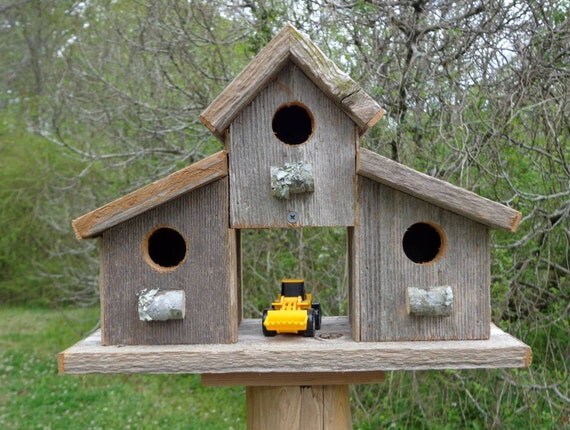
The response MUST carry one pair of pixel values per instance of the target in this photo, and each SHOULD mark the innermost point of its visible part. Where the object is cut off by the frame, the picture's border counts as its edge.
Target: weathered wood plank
(256, 353)
(336, 84)
(279, 379)
(436, 191)
(178, 183)
(385, 271)
(298, 407)
(254, 148)
(353, 283)
(290, 44)
(207, 274)
(243, 89)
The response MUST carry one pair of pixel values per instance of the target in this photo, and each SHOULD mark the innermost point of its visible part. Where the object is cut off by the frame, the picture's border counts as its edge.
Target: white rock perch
(292, 178)
(434, 301)
(161, 305)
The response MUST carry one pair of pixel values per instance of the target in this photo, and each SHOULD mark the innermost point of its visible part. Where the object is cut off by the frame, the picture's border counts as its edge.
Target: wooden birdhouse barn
(419, 248)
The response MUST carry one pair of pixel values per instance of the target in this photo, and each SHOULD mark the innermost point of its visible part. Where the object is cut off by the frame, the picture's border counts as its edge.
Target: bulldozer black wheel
(268, 333)
(311, 324)
(318, 315)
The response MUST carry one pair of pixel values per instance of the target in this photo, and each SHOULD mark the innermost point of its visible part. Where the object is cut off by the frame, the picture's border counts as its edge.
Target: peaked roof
(436, 191)
(150, 196)
(291, 45)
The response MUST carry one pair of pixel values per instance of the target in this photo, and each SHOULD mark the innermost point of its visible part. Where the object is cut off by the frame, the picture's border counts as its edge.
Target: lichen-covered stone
(434, 301)
(292, 178)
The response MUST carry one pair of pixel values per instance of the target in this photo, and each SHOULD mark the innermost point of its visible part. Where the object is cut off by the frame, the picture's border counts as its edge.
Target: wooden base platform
(332, 350)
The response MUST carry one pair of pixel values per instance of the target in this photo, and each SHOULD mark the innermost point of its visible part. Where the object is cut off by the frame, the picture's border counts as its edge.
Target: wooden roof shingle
(152, 195)
(291, 45)
(432, 190)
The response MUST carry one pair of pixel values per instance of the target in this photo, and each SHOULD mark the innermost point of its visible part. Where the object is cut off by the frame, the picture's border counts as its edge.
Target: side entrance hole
(424, 242)
(166, 248)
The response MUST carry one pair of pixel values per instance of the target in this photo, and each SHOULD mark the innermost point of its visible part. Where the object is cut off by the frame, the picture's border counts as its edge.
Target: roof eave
(291, 45)
(152, 195)
(437, 192)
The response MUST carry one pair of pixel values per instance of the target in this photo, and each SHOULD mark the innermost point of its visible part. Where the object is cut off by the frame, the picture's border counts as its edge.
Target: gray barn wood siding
(381, 272)
(208, 274)
(253, 149)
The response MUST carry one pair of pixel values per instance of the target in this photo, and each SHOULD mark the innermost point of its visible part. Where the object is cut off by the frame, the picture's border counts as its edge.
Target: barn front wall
(292, 121)
(404, 242)
(184, 244)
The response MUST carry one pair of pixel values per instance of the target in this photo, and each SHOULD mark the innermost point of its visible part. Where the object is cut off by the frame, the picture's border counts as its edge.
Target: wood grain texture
(324, 353)
(291, 45)
(253, 149)
(385, 272)
(183, 181)
(208, 274)
(278, 379)
(298, 408)
(190, 178)
(336, 84)
(353, 284)
(243, 89)
(239, 274)
(436, 191)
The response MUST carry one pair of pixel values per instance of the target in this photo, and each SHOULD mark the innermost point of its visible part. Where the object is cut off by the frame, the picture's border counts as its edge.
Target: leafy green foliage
(29, 165)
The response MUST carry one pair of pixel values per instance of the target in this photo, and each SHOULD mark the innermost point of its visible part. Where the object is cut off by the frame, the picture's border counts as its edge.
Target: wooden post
(298, 407)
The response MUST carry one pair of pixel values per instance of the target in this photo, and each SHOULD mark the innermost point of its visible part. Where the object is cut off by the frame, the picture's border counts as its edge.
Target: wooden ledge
(282, 379)
(332, 350)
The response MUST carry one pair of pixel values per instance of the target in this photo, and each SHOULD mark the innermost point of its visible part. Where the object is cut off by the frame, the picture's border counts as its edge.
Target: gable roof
(291, 45)
(150, 196)
(435, 191)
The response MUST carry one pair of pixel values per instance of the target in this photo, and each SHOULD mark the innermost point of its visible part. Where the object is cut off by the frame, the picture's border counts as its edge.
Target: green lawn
(34, 396)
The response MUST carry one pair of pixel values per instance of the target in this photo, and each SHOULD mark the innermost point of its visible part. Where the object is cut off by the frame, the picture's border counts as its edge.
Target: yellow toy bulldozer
(292, 312)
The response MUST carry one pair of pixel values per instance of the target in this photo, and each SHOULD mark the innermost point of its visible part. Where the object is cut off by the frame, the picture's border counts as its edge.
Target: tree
(476, 93)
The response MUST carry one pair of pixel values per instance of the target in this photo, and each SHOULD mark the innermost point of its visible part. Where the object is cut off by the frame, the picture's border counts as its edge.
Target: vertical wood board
(253, 149)
(298, 407)
(239, 267)
(353, 284)
(207, 275)
(384, 271)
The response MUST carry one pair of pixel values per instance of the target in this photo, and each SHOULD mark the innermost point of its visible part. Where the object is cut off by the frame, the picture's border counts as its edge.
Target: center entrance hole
(293, 124)
(315, 254)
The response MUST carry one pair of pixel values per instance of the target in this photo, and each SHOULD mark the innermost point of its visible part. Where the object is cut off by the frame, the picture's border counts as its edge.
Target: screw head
(292, 217)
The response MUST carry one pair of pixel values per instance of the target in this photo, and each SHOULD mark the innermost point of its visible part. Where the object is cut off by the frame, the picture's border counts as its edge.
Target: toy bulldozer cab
(292, 312)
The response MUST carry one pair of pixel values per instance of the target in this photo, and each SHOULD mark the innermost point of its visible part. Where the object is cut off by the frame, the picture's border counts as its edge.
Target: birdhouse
(419, 247)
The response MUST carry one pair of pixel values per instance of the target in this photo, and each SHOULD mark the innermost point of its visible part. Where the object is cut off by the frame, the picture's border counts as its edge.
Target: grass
(34, 396)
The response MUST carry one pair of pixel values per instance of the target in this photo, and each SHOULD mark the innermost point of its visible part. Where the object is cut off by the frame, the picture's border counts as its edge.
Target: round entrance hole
(292, 124)
(166, 247)
(423, 242)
